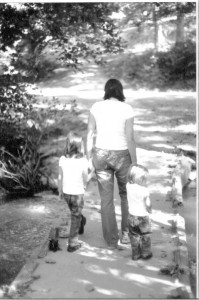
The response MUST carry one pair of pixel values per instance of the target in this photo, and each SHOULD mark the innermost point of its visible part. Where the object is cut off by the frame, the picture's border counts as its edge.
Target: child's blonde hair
(74, 145)
(137, 174)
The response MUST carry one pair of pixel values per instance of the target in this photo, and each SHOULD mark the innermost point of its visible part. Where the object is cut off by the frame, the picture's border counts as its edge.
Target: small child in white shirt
(73, 177)
(139, 209)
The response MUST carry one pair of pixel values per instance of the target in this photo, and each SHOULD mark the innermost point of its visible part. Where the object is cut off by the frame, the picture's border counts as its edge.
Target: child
(73, 175)
(139, 209)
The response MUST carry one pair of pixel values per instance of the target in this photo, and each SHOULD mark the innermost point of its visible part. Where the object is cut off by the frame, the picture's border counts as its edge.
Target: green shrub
(23, 153)
(142, 70)
(178, 64)
(170, 69)
(20, 172)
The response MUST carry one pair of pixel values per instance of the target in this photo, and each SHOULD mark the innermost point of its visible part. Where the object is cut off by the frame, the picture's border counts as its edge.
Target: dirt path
(96, 272)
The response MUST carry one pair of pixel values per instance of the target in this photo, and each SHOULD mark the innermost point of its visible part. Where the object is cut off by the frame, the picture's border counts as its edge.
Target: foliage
(19, 159)
(21, 165)
(169, 27)
(72, 31)
(175, 68)
(142, 70)
(165, 20)
(15, 101)
(21, 172)
(142, 12)
(24, 157)
(178, 64)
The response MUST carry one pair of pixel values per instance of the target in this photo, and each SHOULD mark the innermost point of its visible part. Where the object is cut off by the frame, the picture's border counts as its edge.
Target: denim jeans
(140, 235)
(108, 163)
(75, 204)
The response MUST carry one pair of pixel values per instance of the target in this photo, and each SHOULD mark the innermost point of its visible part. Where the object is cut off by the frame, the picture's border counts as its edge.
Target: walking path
(96, 272)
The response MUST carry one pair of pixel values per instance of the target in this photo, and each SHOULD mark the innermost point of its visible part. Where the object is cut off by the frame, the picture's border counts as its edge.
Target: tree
(182, 9)
(153, 14)
(74, 31)
(71, 31)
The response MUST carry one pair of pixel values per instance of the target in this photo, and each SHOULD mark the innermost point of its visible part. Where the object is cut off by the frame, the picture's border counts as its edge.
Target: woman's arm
(60, 182)
(90, 136)
(85, 174)
(130, 139)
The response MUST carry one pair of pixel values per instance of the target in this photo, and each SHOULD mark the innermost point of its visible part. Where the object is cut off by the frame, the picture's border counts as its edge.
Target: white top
(73, 170)
(110, 117)
(137, 196)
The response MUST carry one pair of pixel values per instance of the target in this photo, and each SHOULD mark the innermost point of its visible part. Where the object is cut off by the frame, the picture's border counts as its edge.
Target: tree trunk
(179, 25)
(155, 24)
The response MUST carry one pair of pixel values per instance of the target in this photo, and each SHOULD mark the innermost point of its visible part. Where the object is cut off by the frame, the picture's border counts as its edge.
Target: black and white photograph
(98, 150)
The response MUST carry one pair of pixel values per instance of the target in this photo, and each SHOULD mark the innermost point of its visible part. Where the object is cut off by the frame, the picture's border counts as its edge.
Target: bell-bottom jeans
(107, 164)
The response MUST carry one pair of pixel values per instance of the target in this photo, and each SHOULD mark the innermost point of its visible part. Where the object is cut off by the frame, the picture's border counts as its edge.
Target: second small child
(139, 209)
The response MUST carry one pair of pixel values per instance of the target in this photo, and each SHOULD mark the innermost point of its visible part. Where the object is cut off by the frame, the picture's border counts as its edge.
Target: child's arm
(148, 204)
(60, 183)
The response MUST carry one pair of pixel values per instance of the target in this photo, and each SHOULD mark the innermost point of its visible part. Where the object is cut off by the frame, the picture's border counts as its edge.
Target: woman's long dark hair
(114, 89)
(74, 146)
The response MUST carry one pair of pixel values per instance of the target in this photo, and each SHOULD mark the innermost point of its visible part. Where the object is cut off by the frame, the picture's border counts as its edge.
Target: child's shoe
(147, 256)
(136, 257)
(83, 223)
(136, 254)
(146, 246)
(112, 247)
(73, 248)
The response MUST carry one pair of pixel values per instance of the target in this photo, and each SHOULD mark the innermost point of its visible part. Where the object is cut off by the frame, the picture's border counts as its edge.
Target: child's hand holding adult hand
(90, 165)
(149, 209)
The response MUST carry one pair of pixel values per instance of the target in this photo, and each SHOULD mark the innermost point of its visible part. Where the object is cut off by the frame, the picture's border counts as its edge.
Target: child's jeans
(75, 204)
(140, 236)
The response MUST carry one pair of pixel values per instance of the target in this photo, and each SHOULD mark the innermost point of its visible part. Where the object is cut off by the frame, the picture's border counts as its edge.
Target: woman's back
(110, 116)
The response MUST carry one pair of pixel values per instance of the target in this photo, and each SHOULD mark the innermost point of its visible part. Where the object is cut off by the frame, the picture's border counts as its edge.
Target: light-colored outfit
(73, 169)
(137, 195)
(138, 220)
(73, 190)
(111, 157)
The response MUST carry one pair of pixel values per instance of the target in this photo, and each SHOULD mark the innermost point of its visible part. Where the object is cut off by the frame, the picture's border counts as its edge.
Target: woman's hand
(60, 183)
(91, 170)
(61, 196)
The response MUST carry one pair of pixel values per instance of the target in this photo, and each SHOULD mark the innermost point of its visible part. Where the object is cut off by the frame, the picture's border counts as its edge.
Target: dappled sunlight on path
(97, 272)
(88, 83)
(163, 120)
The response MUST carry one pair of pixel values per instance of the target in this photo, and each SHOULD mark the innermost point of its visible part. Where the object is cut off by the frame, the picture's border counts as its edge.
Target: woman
(112, 153)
